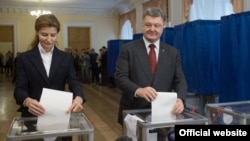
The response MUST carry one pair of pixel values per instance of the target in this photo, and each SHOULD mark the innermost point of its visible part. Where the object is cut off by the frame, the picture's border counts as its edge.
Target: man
(94, 66)
(133, 73)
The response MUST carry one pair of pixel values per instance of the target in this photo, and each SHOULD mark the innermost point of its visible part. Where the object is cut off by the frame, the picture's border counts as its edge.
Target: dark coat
(133, 71)
(31, 76)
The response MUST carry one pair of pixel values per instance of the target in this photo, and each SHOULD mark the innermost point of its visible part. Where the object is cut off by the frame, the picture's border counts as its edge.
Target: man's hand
(147, 93)
(178, 107)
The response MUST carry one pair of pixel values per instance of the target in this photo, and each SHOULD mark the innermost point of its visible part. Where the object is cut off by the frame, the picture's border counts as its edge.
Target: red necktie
(152, 58)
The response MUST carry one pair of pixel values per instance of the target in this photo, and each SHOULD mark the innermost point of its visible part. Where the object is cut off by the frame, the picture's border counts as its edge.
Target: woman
(45, 66)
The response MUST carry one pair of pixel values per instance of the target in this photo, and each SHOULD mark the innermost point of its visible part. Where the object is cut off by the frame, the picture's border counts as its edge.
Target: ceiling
(89, 7)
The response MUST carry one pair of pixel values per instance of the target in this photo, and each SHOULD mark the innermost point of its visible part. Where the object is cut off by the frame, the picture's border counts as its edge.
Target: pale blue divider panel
(199, 45)
(235, 57)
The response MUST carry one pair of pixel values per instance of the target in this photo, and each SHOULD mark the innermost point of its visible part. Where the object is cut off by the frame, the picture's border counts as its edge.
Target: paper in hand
(56, 104)
(162, 106)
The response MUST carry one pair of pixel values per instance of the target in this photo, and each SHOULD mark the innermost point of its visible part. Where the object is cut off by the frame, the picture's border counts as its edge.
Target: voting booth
(229, 113)
(145, 129)
(25, 129)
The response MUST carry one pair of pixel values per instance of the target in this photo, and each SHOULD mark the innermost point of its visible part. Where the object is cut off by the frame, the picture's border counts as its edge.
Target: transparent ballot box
(25, 129)
(146, 129)
(229, 113)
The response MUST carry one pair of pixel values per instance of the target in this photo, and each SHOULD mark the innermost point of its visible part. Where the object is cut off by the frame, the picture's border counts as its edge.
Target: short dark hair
(155, 12)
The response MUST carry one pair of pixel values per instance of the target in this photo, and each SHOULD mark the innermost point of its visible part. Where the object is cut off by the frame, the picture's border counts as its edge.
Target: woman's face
(47, 37)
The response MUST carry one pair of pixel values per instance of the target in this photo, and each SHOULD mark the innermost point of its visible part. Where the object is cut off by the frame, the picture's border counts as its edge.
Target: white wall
(139, 13)
(5, 47)
(246, 5)
(175, 12)
(106, 28)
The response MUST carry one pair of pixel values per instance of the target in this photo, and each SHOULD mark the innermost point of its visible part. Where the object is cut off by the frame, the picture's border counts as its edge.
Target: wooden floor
(101, 109)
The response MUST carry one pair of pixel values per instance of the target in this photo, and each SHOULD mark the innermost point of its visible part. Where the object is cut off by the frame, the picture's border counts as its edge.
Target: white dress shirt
(46, 57)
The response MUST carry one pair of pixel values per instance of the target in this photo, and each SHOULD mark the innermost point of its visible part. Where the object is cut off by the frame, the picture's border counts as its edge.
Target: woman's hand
(34, 107)
(76, 105)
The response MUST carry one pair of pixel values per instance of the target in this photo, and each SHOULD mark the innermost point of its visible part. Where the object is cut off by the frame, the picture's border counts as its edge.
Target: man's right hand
(148, 93)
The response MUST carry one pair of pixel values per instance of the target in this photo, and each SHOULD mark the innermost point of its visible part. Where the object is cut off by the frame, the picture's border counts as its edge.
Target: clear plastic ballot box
(146, 127)
(229, 113)
(25, 129)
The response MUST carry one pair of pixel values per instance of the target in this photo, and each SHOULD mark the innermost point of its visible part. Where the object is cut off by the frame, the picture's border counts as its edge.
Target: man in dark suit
(45, 66)
(133, 73)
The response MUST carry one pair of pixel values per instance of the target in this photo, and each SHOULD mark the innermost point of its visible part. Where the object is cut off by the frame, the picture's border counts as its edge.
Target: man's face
(152, 28)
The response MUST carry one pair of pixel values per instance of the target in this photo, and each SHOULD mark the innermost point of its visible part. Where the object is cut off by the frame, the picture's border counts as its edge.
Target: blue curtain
(137, 36)
(199, 45)
(168, 36)
(113, 52)
(235, 57)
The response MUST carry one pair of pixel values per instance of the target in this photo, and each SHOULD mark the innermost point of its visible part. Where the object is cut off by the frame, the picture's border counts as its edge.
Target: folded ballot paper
(56, 104)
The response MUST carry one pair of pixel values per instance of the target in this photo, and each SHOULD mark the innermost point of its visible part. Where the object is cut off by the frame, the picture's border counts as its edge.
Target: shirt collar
(147, 43)
(42, 51)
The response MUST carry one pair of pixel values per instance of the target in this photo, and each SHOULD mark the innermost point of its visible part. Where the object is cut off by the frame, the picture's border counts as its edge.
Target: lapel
(36, 60)
(161, 64)
(142, 56)
(56, 60)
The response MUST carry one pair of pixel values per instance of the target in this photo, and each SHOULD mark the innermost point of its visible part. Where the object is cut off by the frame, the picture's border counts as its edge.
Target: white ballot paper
(162, 106)
(56, 104)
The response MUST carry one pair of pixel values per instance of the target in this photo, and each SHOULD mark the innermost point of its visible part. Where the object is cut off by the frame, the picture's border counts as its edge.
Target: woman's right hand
(34, 107)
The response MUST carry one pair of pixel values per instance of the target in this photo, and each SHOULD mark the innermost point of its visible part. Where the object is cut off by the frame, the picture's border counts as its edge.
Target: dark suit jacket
(32, 78)
(133, 71)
